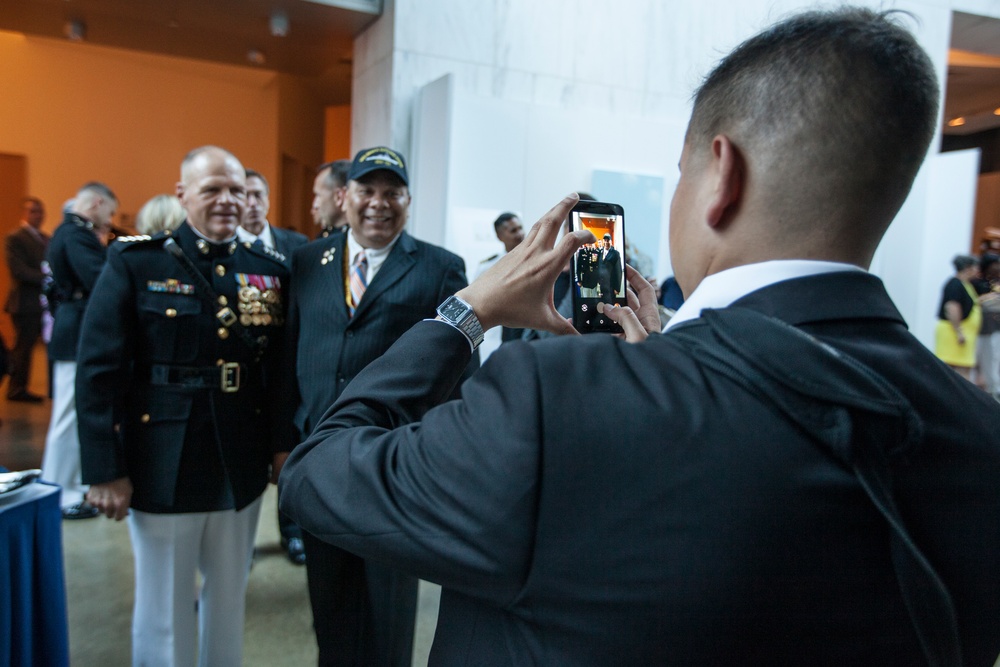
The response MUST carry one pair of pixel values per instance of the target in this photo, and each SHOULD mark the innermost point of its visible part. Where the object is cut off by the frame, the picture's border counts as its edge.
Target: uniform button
(220, 270)
(170, 312)
(340, 378)
(223, 301)
(223, 333)
(144, 419)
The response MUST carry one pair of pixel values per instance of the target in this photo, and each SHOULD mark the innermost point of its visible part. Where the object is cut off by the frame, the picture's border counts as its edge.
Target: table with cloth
(33, 624)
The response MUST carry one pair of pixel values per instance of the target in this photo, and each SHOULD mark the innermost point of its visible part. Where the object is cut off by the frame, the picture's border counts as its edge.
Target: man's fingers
(626, 317)
(547, 227)
(643, 289)
(570, 243)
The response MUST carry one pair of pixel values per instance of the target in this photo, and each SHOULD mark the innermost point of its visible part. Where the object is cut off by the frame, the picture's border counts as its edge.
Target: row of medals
(259, 307)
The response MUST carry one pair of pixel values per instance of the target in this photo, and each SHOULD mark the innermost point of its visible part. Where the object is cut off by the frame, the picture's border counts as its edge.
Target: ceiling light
(956, 122)
(279, 23)
(256, 57)
(75, 30)
(996, 112)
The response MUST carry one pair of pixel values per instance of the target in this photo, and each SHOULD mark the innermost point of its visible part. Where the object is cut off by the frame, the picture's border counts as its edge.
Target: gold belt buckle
(226, 316)
(230, 380)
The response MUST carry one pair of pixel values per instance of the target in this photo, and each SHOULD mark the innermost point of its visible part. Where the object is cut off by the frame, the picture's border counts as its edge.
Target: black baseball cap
(379, 158)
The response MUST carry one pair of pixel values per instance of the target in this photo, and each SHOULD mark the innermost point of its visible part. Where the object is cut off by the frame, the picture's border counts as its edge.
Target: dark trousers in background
(363, 613)
(28, 328)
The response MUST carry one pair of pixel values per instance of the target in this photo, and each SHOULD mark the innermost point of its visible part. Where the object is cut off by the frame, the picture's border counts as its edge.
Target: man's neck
(256, 228)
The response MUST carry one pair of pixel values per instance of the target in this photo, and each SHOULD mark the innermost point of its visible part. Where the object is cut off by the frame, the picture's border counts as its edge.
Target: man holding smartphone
(846, 514)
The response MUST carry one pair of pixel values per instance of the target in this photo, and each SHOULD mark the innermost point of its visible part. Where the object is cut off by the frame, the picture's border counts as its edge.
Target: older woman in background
(959, 318)
(161, 213)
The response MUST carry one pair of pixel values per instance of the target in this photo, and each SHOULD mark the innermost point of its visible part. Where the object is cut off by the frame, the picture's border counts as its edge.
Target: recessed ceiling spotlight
(75, 30)
(279, 23)
(256, 57)
(956, 122)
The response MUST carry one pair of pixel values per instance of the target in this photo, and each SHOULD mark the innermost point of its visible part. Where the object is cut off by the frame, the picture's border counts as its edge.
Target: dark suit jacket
(76, 258)
(695, 526)
(609, 271)
(25, 252)
(287, 240)
(331, 347)
(145, 335)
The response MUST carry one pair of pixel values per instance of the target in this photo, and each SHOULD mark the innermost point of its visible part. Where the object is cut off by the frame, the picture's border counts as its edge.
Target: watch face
(453, 309)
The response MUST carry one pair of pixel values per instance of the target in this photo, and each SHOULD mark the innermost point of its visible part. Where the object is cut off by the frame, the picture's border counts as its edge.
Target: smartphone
(598, 269)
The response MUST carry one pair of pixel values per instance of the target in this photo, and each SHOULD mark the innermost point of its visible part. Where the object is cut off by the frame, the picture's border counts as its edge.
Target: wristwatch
(460, 315)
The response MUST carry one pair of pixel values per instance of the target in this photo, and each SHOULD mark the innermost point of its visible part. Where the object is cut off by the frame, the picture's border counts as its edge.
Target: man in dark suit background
(354, 294)
(256, 228)
(846, 519)
(329, 189)
(76, 257)
(255, 225)
(25, 251)
(609, 270)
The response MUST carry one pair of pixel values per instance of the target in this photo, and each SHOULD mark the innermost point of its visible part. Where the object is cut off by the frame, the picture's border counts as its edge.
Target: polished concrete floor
(98, 558)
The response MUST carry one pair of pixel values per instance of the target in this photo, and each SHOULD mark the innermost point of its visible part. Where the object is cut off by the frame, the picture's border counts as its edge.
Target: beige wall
(81, 112)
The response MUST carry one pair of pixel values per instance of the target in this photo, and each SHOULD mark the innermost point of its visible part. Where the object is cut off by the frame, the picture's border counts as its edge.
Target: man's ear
(179, 189)
(728, 173)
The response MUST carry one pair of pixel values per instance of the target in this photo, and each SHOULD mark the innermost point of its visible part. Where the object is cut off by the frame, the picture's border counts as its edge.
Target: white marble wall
(624, 60)
(630, 57)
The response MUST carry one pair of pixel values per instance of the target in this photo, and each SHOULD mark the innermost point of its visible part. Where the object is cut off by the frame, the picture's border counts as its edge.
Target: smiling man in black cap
(353, 295)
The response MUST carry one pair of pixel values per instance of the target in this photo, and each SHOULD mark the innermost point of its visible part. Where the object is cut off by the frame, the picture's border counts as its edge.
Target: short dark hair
(98, 188)
(339, 169)
(988, 260)
(962, 262)
(847, 97)
(502, 220)
(253, 173)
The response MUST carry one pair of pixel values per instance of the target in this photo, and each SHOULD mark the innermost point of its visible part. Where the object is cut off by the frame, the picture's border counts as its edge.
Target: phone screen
(598, 269)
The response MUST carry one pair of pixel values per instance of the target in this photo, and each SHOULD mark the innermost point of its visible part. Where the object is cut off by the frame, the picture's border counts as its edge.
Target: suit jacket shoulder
(287, 240)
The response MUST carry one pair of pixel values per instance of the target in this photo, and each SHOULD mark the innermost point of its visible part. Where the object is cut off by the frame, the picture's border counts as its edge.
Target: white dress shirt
(375, 256)
(265, 236)
(722, 289)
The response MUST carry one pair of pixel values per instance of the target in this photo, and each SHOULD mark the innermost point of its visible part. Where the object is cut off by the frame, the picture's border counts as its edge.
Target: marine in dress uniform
(179, 365)
(76, 257)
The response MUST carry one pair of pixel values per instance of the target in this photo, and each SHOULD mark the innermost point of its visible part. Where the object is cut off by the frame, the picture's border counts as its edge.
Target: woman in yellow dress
(959, 318)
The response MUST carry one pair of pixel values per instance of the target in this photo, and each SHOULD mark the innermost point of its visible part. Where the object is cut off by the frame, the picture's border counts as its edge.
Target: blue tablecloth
(33, 626)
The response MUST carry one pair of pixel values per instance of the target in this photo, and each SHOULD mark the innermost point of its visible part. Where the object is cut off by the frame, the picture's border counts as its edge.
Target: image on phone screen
(598, 269)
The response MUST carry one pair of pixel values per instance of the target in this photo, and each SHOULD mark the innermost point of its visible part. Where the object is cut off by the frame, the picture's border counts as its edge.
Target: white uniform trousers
(61, 460)
(169, 548)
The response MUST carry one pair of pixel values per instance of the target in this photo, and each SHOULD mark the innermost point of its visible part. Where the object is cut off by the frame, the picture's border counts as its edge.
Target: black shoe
(25, 397)
(295, 550)
(82, 510)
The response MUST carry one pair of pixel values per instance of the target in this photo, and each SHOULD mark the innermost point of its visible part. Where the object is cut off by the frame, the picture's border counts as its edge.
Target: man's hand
(112, 498)
(517, 290)
(641, 317)
(277, 463)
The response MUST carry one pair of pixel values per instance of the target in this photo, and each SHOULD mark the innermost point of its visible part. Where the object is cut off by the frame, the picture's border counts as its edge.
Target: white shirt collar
(202, 236)
(722, 289)
(265, 236)
(375, 256)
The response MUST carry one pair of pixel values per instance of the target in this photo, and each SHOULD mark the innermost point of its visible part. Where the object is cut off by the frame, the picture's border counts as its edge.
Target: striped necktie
(358, 282)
